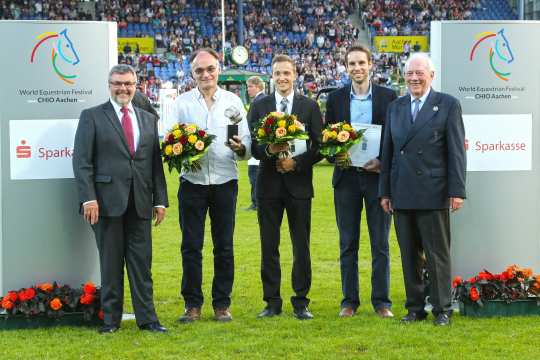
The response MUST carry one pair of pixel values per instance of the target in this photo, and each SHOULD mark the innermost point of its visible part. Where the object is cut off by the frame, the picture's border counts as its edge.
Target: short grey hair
(422, 57)
(257, 81)
(122, 69)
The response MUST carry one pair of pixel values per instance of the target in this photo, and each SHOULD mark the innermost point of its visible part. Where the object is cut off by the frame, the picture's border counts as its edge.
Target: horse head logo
(500, 48)
(63, 50)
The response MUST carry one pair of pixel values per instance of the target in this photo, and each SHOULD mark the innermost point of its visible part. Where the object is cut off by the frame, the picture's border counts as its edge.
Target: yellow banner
(146, 44)
(401, 43)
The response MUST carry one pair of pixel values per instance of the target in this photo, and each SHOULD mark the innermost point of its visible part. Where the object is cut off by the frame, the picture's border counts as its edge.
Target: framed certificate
(368, 147)
(297, 147)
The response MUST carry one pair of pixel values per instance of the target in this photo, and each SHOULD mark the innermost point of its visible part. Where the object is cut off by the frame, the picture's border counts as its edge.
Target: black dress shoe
(108, 329)
(269, 312)
(442, 319)
(303, 314)
(153, 327)
(413, 317)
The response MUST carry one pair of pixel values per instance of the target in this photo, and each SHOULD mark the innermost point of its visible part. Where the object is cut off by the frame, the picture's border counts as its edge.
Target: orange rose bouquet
(184, 145)
(338, 138)
(279, 128)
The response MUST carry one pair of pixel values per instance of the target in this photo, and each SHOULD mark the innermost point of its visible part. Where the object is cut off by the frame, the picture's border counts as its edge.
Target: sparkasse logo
(23, 151)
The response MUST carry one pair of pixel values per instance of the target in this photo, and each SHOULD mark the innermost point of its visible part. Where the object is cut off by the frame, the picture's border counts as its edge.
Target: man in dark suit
(121, 186)
(255, 90)
(422, 176)
(361, 103)
(286, 185)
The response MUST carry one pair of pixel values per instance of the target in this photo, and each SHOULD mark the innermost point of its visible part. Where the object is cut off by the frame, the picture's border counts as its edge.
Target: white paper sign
(297, 147)
(369, 145)
(498, 142)
(41, 149)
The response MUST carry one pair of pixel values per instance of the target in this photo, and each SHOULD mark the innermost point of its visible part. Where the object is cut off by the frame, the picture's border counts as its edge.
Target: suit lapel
(346, 105)
(424, 115)
(375, 113)
(141, 123)
(115, 122)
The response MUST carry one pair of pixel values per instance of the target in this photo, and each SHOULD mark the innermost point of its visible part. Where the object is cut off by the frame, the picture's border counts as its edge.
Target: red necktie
(128, 130)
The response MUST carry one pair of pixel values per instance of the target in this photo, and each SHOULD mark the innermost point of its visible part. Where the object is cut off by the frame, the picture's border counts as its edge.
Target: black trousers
(194, 201)
(425, 231)
(253, 171)
(270, 215)
(126, 239)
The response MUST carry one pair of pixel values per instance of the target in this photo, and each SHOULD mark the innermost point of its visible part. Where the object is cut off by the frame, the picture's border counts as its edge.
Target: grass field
(326, 337)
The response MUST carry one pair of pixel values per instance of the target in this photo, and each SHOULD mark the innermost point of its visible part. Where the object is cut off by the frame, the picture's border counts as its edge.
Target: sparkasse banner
(41, 149)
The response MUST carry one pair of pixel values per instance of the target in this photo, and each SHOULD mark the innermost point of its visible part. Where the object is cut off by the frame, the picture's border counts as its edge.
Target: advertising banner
(396, 44)
(41, 149)
(146, 44)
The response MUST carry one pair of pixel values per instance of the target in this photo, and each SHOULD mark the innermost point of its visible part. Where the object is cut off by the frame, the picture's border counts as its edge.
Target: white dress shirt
(422, 101)
(290, 97)
(134, 122)
(218, 166)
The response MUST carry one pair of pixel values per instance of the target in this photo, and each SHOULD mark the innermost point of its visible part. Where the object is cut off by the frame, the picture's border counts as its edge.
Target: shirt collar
(422, 98)
(216, 96)
(289, 97)
(118, 108)
(360, 97)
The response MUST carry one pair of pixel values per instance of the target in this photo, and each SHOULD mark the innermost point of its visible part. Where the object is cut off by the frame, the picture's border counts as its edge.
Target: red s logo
(23, 151)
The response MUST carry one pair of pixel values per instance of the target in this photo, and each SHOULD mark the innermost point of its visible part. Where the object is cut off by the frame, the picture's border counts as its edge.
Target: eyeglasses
(122, 83)
(200, 71)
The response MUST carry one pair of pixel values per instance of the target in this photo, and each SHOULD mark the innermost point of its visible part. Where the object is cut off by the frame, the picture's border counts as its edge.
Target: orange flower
(89, 288)
(457, 281)
(55, 304)
(474, 295)
(527, 273)
(47, 287)
(12, 296)
(87, 299)
(7, 304)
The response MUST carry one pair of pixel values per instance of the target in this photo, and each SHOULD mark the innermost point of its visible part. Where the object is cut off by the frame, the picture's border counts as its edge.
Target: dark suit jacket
(141, 101)
(270, 183)
(423, 164)
(338, 108)
(104, 169)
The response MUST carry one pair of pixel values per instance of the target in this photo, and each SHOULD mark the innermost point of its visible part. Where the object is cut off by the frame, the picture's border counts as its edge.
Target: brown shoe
(384, 312)
(190, 315)
(222, 315)
(347, 312)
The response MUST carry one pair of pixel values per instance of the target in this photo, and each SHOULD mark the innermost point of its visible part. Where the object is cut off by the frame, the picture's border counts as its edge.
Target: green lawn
(325, 337)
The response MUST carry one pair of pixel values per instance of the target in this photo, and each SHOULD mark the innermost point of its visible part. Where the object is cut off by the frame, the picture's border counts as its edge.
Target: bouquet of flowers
(512, 284)
(279, 128)
(53, 300)
(338, 138)
(184, 145)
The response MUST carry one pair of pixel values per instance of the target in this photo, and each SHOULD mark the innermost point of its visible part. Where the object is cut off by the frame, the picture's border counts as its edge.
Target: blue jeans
(351, 192)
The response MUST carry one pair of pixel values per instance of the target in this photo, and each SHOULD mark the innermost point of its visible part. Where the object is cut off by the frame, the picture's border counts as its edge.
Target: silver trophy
(234, 116)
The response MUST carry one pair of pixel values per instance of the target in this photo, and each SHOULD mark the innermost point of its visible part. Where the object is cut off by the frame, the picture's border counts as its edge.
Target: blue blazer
(423, 164)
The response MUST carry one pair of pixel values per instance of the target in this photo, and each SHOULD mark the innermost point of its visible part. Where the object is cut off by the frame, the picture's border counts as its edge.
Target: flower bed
(51, 304)
(515, 291)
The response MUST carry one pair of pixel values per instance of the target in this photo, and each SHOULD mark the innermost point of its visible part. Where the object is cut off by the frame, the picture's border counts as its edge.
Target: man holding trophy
(213, 188)
(285, 183)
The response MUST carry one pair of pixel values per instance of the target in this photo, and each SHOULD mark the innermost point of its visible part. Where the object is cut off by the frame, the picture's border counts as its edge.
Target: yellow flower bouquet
(184, 145)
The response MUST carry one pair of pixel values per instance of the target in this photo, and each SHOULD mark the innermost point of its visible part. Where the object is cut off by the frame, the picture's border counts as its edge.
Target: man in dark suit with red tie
(286, 185)
(361, 103)
(121, 185)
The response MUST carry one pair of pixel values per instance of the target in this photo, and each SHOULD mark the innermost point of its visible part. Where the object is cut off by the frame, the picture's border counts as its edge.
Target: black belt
(358, 169)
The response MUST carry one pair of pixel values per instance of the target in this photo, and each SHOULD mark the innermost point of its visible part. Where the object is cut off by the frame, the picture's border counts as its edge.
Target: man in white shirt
(213, 188)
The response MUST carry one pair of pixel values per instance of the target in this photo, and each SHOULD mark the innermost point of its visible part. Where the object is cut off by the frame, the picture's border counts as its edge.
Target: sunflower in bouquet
(279, 128)
(184, 145)
(337, 139)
